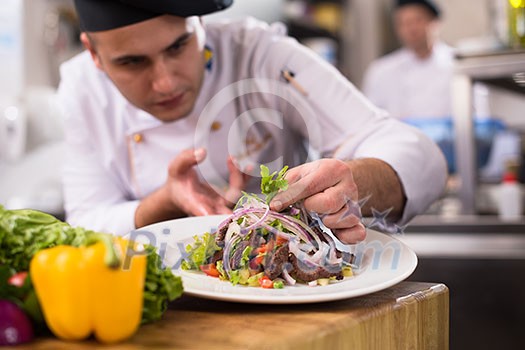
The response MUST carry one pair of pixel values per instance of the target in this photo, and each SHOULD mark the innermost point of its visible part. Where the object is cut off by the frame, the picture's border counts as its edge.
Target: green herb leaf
(272, 183)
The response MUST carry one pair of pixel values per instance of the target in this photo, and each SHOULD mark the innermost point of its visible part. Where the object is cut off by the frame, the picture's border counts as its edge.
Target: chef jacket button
(215, 126)
(138, 138)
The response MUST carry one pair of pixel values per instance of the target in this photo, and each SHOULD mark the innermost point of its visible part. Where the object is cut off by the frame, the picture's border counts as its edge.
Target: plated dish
(380, 262)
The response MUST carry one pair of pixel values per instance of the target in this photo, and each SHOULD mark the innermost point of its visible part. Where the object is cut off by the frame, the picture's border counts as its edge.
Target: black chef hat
(98, 15)
(428, 4)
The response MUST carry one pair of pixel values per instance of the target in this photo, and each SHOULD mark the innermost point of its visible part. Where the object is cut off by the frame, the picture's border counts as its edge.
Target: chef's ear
(89, 44)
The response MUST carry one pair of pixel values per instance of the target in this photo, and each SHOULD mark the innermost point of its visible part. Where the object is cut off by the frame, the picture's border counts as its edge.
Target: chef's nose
(164, 81)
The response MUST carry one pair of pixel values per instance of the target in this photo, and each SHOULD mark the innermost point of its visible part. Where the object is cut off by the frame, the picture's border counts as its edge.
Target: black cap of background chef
(99, 15)
(428, 4)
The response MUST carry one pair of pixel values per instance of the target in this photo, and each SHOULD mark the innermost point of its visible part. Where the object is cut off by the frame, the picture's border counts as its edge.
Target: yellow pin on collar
(208, 57)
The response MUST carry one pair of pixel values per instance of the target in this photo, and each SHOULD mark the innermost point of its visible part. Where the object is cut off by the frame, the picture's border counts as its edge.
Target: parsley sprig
(272, 183)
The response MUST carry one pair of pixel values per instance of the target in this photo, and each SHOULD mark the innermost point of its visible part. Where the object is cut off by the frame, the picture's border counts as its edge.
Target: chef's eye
(178, 45)
(131, 61)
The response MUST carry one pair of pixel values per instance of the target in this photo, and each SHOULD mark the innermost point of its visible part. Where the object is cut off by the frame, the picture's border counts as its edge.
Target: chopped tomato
(281, 240)
(261, 250)
(210, 270)
(265, 282)
(17, 279)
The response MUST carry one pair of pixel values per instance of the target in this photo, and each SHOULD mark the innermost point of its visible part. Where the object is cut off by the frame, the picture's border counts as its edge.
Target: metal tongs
(348, 248)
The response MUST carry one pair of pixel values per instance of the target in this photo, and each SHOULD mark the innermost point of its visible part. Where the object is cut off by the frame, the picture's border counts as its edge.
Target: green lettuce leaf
(203, 248)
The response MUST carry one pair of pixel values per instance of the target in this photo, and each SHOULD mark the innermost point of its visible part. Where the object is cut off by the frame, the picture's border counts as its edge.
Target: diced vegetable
(278, 284)
(347, 271)
(323, 281)
(266, 282)
(281, 240)
(253, 281)
(210, 270)
(244, 275)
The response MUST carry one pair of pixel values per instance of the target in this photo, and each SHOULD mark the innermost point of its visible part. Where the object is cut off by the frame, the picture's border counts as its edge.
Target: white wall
(266, 10)
(465, 19)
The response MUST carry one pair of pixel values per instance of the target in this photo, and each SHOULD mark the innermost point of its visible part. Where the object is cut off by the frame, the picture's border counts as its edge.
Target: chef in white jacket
(166, 115)
(413, 81)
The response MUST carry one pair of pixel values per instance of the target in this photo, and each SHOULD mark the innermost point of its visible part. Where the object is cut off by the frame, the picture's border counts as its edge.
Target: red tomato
(261, 250)
(281, 240)
(210, 270)
(265, 282)
(17, 279)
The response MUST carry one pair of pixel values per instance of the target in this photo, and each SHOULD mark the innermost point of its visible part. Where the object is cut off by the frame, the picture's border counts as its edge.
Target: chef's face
(415, 26)
(158, 64)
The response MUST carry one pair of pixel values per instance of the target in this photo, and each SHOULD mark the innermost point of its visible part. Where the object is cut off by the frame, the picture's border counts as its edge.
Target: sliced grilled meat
(308, 273)
(275, 262)
(221, 234)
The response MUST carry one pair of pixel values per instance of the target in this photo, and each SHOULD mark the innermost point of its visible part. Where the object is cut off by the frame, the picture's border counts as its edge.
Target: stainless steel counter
(469, 236)
(464, 224)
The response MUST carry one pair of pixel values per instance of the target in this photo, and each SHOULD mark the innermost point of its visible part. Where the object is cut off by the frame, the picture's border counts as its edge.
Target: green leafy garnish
(235, 277)
(272, 183)
(245, 259)
(220, 268)
(203, 248)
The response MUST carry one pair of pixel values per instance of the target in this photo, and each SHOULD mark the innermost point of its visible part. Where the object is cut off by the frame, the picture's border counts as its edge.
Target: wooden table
(409, 315)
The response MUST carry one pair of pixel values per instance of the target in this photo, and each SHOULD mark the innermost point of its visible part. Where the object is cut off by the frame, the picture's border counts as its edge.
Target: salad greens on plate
(258, 247)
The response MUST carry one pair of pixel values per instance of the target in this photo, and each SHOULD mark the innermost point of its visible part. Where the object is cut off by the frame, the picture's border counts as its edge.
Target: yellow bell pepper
(89, 289)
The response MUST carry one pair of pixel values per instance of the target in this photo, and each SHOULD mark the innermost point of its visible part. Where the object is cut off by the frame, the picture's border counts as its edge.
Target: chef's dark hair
(428, 4)
(99, 15)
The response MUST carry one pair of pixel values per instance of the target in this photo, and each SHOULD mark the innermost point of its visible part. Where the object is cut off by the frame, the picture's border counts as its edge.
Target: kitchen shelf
(301, 29)
(499, 67)
(319, 25)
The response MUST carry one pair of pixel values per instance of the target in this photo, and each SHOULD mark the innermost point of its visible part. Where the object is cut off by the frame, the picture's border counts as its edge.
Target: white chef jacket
(410, 87)
(118, 154)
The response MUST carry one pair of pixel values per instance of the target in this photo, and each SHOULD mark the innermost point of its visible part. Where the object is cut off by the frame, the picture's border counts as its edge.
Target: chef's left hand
(327, 187)
(237, 182)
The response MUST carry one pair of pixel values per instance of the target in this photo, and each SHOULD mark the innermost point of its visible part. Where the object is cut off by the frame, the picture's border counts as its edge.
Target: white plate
(383, 260)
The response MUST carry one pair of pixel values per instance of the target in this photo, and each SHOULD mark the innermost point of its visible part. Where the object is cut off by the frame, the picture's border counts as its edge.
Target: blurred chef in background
(413, 81)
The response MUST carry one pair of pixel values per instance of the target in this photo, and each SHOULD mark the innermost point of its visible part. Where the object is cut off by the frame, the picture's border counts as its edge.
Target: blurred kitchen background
(462, 240)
